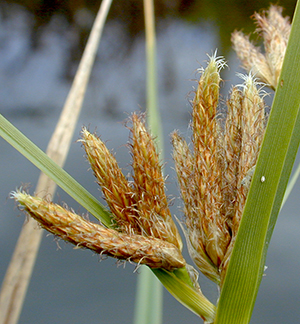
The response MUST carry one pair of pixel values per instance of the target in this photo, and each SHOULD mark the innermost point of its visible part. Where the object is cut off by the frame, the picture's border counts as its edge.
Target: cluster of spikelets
(275, 30)
(214, 174)
(142, 229)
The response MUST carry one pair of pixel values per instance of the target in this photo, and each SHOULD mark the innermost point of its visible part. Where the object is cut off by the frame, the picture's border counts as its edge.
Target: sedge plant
(230, 186)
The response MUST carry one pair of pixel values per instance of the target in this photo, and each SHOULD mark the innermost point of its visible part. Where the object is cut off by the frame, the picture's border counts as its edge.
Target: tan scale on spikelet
(149, 186)
(275, 31)
(82, 233)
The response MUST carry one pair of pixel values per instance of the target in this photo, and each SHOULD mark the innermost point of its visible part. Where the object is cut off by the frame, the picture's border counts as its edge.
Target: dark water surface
(72, 286)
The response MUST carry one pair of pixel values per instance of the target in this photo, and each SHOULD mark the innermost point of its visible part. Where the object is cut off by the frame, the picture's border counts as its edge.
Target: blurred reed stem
(148, 306)
(19, 272)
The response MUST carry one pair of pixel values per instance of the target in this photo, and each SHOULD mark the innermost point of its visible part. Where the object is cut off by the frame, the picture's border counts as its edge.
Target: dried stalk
(20, 268)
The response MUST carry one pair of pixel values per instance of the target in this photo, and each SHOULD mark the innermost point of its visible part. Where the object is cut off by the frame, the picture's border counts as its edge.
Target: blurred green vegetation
(225, 15)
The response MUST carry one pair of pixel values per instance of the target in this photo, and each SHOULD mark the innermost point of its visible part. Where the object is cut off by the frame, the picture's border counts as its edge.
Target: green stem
(154, 120)
(148, 307)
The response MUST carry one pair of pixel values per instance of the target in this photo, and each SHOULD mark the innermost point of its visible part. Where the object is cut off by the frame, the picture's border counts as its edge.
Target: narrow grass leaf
(18, 274)
(269, 182)
(148, 307)
(35, 155)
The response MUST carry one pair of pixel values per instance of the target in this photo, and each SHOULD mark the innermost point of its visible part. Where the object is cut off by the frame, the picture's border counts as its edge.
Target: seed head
(211, 176)
(214, 175)
(118, 193)
(142, 227)
(275, 31)
(149, 186)
(84, 234)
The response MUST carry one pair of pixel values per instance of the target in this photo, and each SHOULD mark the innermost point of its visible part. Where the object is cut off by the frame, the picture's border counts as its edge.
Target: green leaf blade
(264, 200)
(35, 155)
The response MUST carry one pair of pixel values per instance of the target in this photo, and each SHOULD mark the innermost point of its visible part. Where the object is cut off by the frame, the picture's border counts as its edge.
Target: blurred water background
(40, 44)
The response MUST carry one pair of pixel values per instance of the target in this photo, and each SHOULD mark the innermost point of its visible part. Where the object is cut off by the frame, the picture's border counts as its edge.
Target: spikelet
(206, 136)
(200, 176)
(184, 165)
(149, 186)
(118, 193)
(84, 234)
(275, 31)
(232, 151)
(252, 126)
(244, 130)
(251, 57)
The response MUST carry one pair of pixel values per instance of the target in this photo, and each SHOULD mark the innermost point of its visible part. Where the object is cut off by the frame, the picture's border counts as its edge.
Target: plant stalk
(19, 272)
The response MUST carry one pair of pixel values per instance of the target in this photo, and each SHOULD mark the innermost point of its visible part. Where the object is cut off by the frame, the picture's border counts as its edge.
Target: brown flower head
(275, 31)
(212, 176)
(84, 234)
(142, 227)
